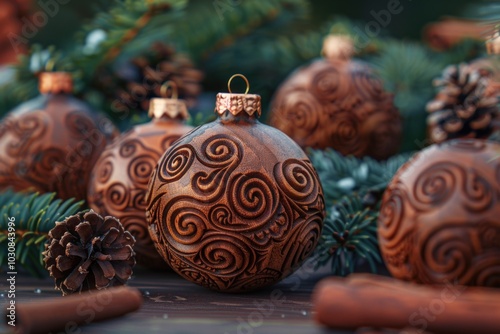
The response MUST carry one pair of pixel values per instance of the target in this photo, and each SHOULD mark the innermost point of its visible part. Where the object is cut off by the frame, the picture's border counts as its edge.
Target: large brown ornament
(120, 178)
(338, 102)
(439, 220)
(235, 205)
(51, 143)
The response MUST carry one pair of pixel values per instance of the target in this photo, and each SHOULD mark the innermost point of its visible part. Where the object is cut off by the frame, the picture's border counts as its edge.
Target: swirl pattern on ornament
(327, 85)
(391, 216)
(26, 132)
(253, 200)
(176, 163)
(439, 216)
(225, 225)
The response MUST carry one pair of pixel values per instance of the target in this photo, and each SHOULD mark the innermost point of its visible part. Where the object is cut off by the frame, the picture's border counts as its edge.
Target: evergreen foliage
(35, 214)
(349, 237)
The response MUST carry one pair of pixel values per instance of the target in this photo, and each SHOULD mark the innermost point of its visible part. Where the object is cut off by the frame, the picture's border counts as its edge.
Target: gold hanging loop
(164, 90)
(241, 76)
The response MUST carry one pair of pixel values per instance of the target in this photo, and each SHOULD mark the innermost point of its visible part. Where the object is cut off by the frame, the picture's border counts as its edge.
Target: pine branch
(349, 238)
(118, 26)
(205, 27)
(344, 176)
(34, 215)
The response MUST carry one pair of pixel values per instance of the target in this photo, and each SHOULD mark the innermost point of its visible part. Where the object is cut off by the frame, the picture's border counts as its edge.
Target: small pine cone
(130, 86)
(462, 108)
(87, 251)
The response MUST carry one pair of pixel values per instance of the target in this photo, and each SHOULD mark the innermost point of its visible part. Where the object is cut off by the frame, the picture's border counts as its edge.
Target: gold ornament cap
(168, 107)
(236, 104)
(338, 47)
(55, 83)
(493, 44)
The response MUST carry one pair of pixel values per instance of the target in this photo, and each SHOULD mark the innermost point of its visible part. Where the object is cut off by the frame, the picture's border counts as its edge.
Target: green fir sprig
(344, 176)
(349, 237)
(34, 216)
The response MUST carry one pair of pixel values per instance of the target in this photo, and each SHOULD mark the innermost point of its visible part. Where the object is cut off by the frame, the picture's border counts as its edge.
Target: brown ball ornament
(338, 102)
(439, 219)
(235, 205)
(51, 143)
(120, 178)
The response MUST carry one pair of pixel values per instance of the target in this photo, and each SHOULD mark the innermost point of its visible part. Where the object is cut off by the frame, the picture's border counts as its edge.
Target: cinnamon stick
(381, 302)
(67, 313)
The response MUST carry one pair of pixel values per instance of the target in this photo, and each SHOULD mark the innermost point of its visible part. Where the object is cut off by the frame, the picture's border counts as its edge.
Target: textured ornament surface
(338, 104)
(50, 144)
(120, 180)
(439, 220)
(235, 205)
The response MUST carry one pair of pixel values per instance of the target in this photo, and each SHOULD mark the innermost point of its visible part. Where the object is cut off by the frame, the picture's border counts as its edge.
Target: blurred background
(408, 24)
(111, 47)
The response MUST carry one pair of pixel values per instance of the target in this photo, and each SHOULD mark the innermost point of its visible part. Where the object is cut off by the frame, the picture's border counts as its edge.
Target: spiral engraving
(298, 181)
(478, 192)
(185, 225)
(327, 85)
(344, 134)
(302, 112)
(129, 148)
(104, 170)
(447, 261)
(368, 85)
(436, 184)
(26, 133)
(223, 154)
(225, 254)
(253, 199)
(220, 151)
(141, 167)
(176, 163)
(392, 215)
(117, 196)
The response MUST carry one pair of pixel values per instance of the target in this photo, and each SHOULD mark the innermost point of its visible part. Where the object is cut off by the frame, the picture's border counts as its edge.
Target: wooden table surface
(174, 305)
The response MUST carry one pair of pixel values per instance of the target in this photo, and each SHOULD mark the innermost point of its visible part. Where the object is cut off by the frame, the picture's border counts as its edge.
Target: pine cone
(462, 108)
(86, 251)
(136, 82)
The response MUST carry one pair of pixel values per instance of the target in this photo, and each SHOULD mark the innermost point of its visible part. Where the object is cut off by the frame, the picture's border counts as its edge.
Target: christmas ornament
(137, 82)
(50, 143)
(235, 205)
(120, 177)
(87, 251)
(338, 102)
(438, 221)
(462, 108)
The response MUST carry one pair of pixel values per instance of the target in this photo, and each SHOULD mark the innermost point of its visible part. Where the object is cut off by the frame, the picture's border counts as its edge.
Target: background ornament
(51, 143)
(121, 175)
(338, 102)
(235, 205)
(438, 221)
